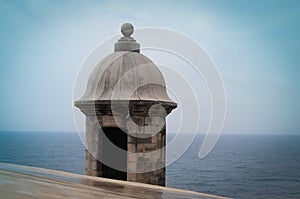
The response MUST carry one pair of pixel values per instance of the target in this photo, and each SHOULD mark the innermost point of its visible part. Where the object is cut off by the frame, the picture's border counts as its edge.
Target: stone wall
(143, 156)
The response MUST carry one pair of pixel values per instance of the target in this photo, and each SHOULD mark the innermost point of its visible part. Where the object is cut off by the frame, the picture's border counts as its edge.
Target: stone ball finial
(127, 29)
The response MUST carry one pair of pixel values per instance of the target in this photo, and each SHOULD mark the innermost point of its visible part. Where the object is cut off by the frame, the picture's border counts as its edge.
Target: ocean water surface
(240, 166)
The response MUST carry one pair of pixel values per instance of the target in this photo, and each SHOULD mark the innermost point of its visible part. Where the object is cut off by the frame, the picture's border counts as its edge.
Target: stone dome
(126, 74)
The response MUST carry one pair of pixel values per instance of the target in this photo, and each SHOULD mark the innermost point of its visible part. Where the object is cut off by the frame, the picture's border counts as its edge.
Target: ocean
(240, 166)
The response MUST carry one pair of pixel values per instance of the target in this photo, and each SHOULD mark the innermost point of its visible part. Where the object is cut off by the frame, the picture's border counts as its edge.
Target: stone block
(142, 177)
(154, 139)
(88, 172)
(152, 129)
(149, 147)
(160, 121)
(131, 139)
(133, 128)
(95, 165)
(132, 157)
(140, 148)
(144, 140)
(96, 173)
(159, 136)
(147, 120)
(131, 166)
(131, 177)
(131, 148)
(108, 121)
(139, 120)
(88, 165)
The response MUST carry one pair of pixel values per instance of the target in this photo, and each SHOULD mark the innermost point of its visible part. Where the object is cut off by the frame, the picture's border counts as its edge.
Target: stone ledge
(25, 182)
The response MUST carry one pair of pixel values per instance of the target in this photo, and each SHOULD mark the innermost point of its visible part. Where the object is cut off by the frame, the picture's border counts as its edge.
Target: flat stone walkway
(25, 182)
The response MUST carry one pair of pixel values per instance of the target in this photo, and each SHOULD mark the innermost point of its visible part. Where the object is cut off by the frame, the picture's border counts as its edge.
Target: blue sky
(255, 45)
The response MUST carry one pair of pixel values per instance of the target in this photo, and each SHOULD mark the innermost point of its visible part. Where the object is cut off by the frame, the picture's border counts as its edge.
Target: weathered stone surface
(25, 182)
(126, 92)
(131, 148)
(154, 139)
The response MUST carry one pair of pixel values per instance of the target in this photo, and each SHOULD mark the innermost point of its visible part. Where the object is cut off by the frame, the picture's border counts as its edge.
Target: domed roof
(126, 74)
